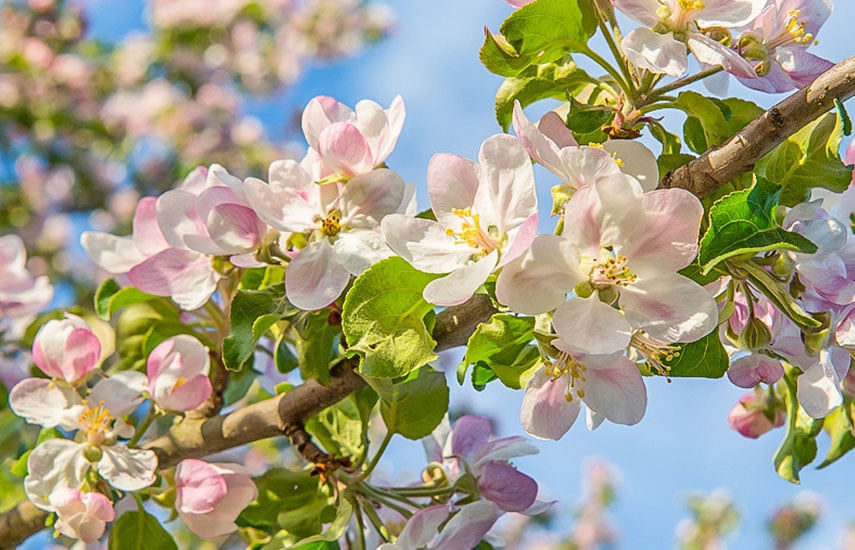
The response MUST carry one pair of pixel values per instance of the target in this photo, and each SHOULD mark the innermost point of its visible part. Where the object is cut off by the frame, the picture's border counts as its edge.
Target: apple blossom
(466, 448)
(209, 213)
(147, 261)
(177, 372)
(67, 349)
(552, 145)
(777, 42)
(81, 515)
(348, 142)
(610, 385)
(447, 526)
(753, 415)
(486, 215)
(618, 246)
(22, 296)
(210, 496)
(337, 224)
(673, 25)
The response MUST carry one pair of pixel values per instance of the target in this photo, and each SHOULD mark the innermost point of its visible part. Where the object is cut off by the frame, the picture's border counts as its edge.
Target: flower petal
(127, 469)
(660, 53)
(512, 491)
(545, 412)
(459, 285)
(588, 325)
(315, 278)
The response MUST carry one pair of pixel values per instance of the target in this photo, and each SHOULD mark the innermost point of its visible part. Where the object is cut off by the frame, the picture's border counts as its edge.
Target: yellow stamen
(796, 28)
(471, 233)
(564, 365)
(331, 225)
(690, 5)
(611, 269)
(656, 353)
(96, 421)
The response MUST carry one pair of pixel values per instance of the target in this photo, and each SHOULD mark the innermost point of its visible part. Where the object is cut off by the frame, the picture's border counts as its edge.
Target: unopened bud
(754, 336)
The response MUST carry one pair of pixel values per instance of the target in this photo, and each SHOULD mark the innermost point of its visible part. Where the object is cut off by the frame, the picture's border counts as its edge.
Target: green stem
(386, 500)
(677, 84)
(378, 524)
(616, 53)
(422, 492)
(376, 459)
(357, 509)
(143, 427)
(599, 60)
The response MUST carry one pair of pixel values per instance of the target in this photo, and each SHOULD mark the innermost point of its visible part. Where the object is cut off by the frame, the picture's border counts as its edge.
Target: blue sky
(683, 445)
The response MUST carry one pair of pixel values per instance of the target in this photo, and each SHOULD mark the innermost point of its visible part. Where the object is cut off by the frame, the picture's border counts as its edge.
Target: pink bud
(177, 372)
(67, 349)
(749, 416)
(211, 496)
(82, 515)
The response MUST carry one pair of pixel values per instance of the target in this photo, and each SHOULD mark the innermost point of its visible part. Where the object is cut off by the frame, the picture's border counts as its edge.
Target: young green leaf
(505, 346)
(252, 313)
(704, 358)
(110, 297)
(383, 319)
(799, 446)
(415, 406)
(139, 531)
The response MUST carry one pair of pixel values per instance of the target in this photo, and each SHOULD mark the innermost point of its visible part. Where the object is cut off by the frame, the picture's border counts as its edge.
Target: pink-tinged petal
(604, 214)
(40, 401)
(13, 253)
(54, 463)
(188, 395)
(459, 285)
(240, 491)
(199, 487)
(343, 148)
(803, 67)
(424, 244)
(319, 113)
(178, 219)
(659, 53)
(813, 12)
(750, 370)
(506, 195)
(539, 280)
(729, 13)
(367, 198)
(111, 253)
(584, 166)
(176, 273)
(518, 3)
(552, 126)
(146, 233)
(127, 469)
(774, 82)
(468, 526)
(452, 182)
(748, 416)
(380, 127)
(643, 11)
(614, 388)
(469, 434)
(588, 325)
(357, 250)
(710, 52)
(844, 328)
(82, 355)
(422, 527)
(638, 161)
(314, 278)
(668, 236)
(545, 411)
(520, 239)
(121, 392)
(503, 449)
(196, 181)
(540, 147)
(177, 372)
(66, 349)
(818, 388)
(828, 278)
(512, 491)
(593, 419)
(235, 228)
(669, 307)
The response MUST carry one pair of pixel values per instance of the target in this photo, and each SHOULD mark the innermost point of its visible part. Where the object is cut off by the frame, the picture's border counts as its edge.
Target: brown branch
(284, 414)
(738, 155)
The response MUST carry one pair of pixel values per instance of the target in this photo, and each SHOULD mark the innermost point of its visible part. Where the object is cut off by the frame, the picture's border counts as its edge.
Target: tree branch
(738, 155)
(284, 414)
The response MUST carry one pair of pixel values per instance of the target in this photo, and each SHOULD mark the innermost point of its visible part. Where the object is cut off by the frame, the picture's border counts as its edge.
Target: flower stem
(150, 415)
(599, 60)
(376, 459)
(616, 53)
(685, 81)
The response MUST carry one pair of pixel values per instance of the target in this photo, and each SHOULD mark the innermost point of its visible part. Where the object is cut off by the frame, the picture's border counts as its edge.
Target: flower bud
(209, 497)
(67, 349)
(81, 515)
(755, 335)
(754, 414)
(177, 372)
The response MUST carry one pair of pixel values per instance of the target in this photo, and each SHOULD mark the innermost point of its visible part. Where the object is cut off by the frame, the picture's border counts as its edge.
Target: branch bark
(281, 415)
(738, 155)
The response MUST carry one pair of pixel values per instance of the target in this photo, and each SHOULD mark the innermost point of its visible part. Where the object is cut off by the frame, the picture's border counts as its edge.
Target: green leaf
(799, 446)
(110, 297)
(505, 346)
(287, 500)
(383, 319)
(807, 159)
(838, 425)
(709, 121)
(549, 80)
(252, 313)
(317, 346)
(704, 358)
(140, 531)
(743, 222)
(328, 539)
(540, 32)
(340, 428)
(414, 407)
(141, 327)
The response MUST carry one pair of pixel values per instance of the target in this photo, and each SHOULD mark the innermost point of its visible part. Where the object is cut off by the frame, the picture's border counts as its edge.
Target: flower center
(331, 225)
(566, 366)
(470, 232)
(96, 421)
(691, 5)
(796, 29)
(655, 352)
(611, 269)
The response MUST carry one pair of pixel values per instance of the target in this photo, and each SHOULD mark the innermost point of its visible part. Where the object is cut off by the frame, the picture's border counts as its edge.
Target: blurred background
(156, 99)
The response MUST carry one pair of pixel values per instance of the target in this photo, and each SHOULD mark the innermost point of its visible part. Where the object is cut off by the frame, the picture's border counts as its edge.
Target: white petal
(127, 469)
(424, 244)
(818, 389)
(315, 278)
(588, 325)
(660, 53)
(53, 464)
(638, 161)
(43, 402)
(459, 285)
(545, 412)
(616, 391)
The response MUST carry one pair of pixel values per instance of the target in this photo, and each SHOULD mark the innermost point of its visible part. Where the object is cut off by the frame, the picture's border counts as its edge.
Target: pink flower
(67, 349)
(486, 215)
(21, 294)
(177, 372)
(81, 515)
(211, 496)
(350, 142)
(752, 416)
(447, 526)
